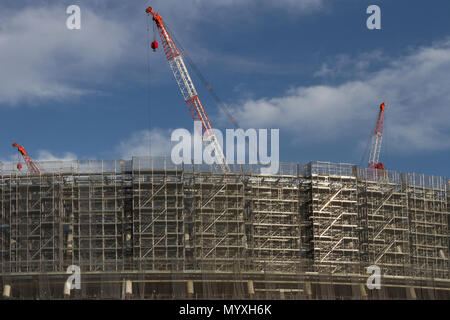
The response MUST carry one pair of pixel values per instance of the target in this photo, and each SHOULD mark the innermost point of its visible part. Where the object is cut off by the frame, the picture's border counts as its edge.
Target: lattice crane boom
(32, 167)
(377, 138)
(187, 88)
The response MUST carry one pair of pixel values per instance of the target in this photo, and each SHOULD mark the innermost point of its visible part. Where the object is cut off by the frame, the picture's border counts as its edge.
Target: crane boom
(187, 88)
(377, 138)
(30, 164)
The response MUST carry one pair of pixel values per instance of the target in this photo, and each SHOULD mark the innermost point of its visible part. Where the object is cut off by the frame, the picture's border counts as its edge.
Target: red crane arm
(187, 87)
(380, 120)
(30, 164)
(377, 138)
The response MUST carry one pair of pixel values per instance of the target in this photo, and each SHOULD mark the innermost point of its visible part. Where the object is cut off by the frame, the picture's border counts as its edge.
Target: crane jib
(377, 138)
(187, 87)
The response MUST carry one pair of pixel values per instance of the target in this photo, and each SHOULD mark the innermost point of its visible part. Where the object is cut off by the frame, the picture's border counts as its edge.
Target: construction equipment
(186, 85)
(154, 45)
(377, 138)
(32, 167)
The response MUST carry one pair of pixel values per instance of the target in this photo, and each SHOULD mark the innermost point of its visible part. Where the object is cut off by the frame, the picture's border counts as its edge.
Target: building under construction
(147, 229)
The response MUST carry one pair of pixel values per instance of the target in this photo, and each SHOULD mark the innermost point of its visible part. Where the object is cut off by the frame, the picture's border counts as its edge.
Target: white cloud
(196, 8)
(301, 5)
(46, 161)
(44, 155)
(155, 142)
(344, 65)
(414, 87)
(40, 58)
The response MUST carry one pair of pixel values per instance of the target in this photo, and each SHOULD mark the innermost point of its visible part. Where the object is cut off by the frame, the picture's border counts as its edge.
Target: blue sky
(308, 67)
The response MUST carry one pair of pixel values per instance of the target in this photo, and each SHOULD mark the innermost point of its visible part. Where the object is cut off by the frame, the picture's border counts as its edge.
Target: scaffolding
(30, 230)
(272, 221)
(157, 210)
(330, 218)
(429, 219)
(383, 201)
(169, 227)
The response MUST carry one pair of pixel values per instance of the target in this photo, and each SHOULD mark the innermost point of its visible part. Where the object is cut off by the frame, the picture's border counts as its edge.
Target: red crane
(377, 138)
(30, 164)
(188, 91)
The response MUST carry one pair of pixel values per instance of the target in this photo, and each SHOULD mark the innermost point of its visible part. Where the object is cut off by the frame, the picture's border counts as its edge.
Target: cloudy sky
(308, 67)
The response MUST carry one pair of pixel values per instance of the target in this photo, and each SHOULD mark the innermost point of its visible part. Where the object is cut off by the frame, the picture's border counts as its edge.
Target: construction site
(145, 228)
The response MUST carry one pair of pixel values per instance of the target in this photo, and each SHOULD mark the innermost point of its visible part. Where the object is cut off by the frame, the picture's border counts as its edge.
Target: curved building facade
(147, 229)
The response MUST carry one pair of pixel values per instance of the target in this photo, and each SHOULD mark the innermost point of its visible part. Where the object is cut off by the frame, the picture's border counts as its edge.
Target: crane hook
(154, 45)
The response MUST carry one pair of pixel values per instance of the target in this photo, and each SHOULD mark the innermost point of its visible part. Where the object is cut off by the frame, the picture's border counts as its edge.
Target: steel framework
(237, 234)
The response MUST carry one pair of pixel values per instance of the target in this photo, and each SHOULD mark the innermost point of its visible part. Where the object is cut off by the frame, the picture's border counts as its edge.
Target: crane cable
(149, 118)
(19, 161)
(385, 146)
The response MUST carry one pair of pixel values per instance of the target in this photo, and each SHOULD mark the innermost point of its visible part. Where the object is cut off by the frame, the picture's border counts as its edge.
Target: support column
(128, 289)
(190, 289)
(363, 292)
(308, 290)
(6, 291)
(411, 293)
(251, 289)
(66, 290)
